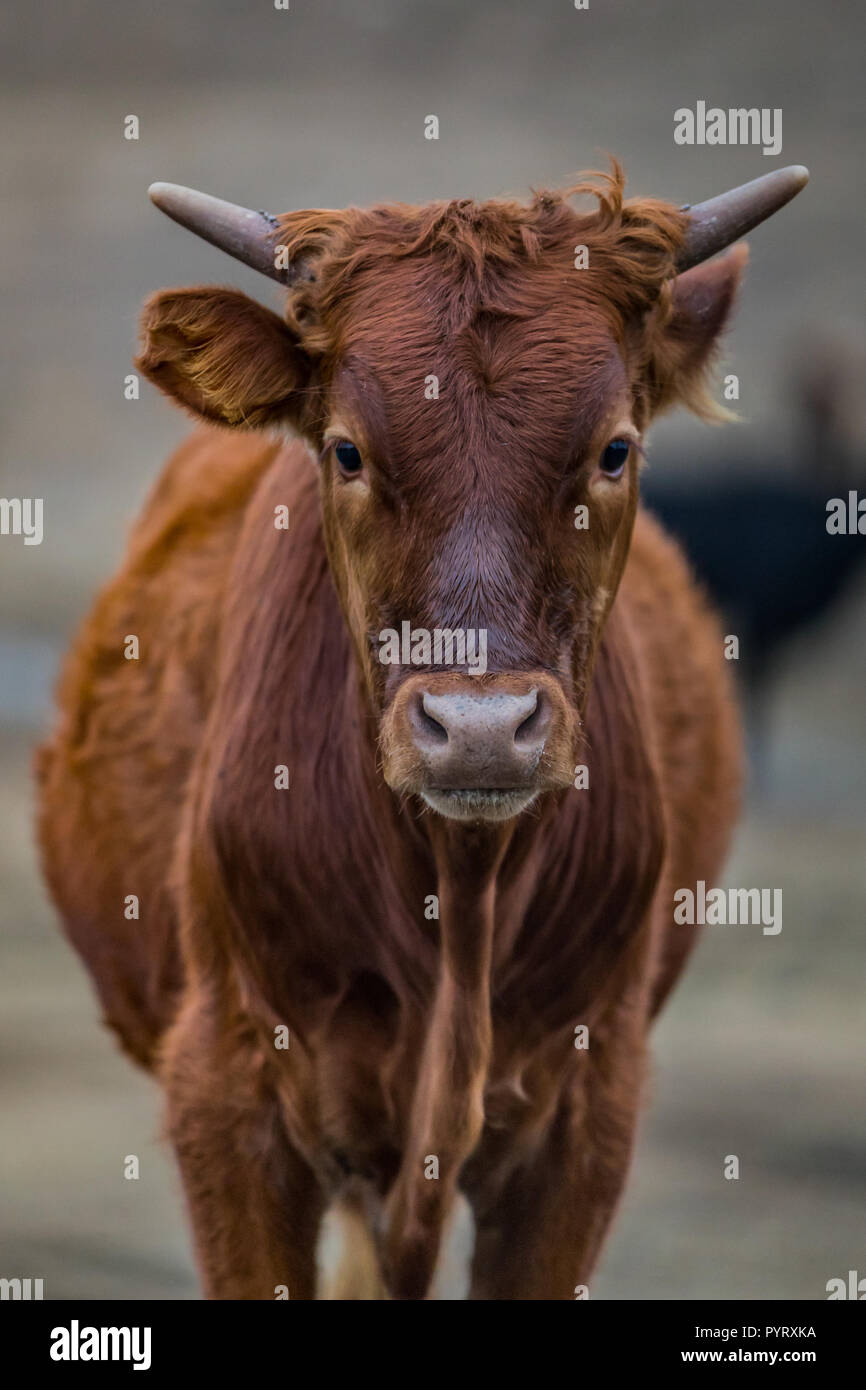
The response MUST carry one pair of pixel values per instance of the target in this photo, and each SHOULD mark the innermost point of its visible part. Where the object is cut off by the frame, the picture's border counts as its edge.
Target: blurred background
(760, 1053)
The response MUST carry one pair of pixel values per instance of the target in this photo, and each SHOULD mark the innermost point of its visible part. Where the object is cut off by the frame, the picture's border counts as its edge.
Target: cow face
(474, 382)
(478, 502)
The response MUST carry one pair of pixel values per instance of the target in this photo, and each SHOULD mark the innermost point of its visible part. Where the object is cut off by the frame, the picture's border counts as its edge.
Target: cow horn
(713, 225)
(244, 234)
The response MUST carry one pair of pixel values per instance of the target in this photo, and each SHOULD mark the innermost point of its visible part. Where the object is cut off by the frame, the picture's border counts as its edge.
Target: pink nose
(474, 740)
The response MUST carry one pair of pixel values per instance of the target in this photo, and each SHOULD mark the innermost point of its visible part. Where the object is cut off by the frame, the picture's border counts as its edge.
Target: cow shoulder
(690, 698)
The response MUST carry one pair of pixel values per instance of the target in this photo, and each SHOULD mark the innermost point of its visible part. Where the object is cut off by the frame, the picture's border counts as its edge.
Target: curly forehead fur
(474, 267)
(635, 241)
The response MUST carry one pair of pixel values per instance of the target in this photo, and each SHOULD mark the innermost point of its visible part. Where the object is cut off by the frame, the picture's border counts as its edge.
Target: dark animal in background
(755, 531)
(429, 1055)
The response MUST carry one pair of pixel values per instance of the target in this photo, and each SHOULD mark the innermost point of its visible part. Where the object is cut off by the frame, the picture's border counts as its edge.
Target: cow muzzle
(478, 747)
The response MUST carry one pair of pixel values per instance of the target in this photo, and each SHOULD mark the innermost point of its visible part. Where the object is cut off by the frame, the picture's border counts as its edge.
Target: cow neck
(447, 1110)
(538, 912)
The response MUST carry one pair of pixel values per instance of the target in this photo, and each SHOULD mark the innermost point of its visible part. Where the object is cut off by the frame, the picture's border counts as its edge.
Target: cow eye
(348, 458)
(613, 460)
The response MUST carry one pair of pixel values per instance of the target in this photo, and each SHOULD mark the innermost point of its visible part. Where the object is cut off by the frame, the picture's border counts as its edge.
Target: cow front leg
(538, 1234)
(254, 1203)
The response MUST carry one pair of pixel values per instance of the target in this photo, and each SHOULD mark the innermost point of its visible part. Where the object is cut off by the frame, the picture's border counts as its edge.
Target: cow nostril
(534, 727)
(428, 724)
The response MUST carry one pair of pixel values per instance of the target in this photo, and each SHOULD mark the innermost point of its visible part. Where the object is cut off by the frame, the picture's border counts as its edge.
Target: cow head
(475, 382)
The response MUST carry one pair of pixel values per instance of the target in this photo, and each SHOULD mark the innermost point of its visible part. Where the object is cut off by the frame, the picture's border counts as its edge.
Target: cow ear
(682, 348)
(222, 356)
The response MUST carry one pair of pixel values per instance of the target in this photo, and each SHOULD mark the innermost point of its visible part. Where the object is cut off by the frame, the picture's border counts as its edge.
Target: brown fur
(260, 907)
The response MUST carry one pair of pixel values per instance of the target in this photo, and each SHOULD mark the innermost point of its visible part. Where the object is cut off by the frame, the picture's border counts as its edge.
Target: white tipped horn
(713, 225)
(248, 236)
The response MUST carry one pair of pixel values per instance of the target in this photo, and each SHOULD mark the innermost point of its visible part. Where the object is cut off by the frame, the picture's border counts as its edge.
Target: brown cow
(437, 901)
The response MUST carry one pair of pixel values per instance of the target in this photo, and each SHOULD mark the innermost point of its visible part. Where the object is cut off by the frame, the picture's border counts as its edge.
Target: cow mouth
(478, 803)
